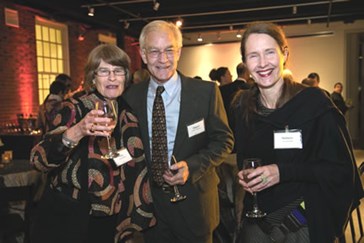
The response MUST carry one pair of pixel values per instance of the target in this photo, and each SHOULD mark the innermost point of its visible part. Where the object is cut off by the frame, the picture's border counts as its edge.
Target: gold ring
(264, 180)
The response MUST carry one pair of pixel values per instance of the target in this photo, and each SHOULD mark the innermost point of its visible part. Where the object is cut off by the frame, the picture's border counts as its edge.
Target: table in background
(19, 180)
(19, 173)
(20, 144)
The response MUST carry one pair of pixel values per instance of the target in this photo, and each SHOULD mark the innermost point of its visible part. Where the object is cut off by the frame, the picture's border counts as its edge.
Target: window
(52, 53)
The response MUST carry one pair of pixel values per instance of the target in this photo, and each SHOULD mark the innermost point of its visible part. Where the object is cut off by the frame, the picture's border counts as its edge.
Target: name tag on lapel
(196, 128)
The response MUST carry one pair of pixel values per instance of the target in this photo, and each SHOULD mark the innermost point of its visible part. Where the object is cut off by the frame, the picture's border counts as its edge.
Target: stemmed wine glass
(108, 107)
(248, 166)
(177, 195)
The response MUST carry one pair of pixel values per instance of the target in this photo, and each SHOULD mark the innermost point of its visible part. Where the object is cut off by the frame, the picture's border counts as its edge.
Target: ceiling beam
(114, 3)
(230, 11)
(271, 20)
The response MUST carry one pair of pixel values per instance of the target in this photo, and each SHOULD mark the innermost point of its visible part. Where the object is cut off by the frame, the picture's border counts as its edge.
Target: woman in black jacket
(308, 181)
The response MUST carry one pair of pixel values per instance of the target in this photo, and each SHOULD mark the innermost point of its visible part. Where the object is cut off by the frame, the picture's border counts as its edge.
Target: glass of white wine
(249, 165)
(108, 107)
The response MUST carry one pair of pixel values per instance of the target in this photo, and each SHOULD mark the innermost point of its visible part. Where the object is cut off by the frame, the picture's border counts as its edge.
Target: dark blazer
(203, 152)
(323, 173)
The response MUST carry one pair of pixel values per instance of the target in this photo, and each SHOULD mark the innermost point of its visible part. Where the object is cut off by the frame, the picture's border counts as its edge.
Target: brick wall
(18, 66)
(18, 75)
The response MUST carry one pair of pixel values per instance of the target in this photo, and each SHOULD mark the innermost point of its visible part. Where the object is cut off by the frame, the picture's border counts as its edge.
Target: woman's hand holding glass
(95, 124)
(263, 177)
(252, 178)
(90, 125)
(100, 121)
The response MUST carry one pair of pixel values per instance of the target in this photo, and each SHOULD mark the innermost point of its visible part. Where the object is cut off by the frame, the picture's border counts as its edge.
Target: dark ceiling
(198, 15)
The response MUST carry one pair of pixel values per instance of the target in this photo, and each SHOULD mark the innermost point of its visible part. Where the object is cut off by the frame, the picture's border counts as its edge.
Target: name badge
(123, 157)
(196, 128)
(288, 139)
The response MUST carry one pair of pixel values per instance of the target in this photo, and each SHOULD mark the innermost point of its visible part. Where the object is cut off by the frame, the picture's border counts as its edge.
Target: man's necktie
(159, 138)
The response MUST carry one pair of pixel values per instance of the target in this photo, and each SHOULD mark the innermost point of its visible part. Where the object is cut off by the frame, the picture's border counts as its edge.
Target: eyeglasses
(155, 53)
(103, 72)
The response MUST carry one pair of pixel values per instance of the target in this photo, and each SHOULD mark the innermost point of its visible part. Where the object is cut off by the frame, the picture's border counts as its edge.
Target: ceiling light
(91, 12)
(156, 5)
(179, 22)
(238, 34)
(81, 37)
(199, 38)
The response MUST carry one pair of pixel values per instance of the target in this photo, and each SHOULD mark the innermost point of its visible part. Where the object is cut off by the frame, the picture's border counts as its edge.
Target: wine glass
(248, 166)
(177, 195)
(108, 107)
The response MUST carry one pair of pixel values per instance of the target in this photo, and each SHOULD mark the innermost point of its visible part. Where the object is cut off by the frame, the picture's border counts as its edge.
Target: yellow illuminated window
(52, 53)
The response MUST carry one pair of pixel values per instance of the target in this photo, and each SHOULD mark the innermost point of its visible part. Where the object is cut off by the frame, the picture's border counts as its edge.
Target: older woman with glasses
(89, 198)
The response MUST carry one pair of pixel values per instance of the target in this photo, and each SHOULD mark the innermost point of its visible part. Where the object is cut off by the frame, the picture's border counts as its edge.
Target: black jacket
(324, 172)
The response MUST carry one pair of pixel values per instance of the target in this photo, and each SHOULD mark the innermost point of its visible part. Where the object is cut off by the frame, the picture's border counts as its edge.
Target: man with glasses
(197, 134)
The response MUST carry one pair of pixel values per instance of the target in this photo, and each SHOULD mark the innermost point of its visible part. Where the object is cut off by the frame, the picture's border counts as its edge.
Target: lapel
(181, 134)
(143, 119)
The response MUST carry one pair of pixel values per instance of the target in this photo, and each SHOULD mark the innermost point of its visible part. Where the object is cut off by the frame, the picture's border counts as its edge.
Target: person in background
(222, 75)
(226, 171)
(66, 79)
(229, 88)
(230, 193)
(51, 105)
(89, 198)
(316, 78)
(197, 134)
(140, 75)
(307, 185)
(309, 82)
(213, 76)
(243, 74)
(338, 99)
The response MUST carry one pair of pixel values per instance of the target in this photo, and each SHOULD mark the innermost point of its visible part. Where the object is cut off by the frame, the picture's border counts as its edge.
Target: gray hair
(110, 54)
(160, 26)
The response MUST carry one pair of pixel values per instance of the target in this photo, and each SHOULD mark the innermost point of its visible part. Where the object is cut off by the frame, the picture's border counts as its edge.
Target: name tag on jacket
(123, 157)
(288, 139)
(196, 128)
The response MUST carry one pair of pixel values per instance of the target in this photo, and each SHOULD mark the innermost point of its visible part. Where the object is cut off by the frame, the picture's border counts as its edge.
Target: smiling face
(161, 54)
(264, 60)
(112, 85)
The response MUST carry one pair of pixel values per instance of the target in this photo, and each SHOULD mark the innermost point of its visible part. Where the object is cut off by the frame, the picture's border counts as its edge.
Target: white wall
(199, 60)
(324, 55)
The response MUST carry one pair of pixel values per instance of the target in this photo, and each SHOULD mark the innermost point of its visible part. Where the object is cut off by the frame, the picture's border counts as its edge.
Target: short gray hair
(163, 26)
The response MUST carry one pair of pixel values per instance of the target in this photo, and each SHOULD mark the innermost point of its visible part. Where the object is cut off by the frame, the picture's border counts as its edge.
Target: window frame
(46, 77)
